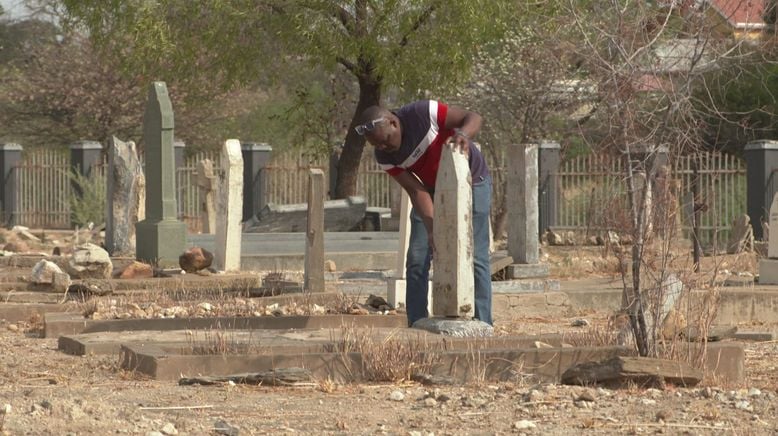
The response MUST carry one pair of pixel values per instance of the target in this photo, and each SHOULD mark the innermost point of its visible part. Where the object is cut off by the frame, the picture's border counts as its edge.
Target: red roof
(740, 13)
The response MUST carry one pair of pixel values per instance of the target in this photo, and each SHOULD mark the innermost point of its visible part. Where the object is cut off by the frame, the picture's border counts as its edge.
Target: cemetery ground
(48, 391)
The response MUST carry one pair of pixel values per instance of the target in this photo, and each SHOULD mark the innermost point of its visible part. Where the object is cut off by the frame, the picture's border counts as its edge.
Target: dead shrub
(390, 359)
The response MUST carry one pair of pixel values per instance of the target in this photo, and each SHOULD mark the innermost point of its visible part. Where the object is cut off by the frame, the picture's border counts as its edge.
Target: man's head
(381, 128)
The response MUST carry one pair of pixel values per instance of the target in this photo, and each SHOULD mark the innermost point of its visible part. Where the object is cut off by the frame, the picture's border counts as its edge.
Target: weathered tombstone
(452, 283)
(741, 236)
(125, 196)
(206, 181)
(314, 236)
(228, 220)
(161, 237)
(522, 192)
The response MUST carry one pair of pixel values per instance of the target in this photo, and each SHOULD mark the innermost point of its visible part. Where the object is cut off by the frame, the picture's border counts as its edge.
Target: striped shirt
(423, 135)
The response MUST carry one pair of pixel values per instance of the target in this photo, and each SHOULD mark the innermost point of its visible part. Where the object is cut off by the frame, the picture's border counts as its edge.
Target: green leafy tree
(416, 46)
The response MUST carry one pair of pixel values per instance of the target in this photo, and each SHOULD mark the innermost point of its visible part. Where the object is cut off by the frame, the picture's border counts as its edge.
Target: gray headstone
(741, 235)
(522, 194)
(161, 237)
(126, 195)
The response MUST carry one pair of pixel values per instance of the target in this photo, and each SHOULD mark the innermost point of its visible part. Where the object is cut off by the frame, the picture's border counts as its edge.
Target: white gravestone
(453, 287)
(230, 210)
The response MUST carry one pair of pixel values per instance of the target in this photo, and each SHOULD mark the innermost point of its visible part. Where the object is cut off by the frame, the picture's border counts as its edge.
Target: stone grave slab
(339, 216)
(724, 360)
(768, 271)
(56, 325)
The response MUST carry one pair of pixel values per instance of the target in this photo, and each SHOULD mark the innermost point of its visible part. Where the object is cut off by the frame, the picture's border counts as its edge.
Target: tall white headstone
(230, 209)
(453, 288)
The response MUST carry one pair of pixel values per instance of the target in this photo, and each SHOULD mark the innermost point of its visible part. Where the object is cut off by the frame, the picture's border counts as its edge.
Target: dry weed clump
(388, 359)
(218, 341)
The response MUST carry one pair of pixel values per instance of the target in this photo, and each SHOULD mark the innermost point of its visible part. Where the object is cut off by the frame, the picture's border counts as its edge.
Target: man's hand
(431, 242)
(461, 142)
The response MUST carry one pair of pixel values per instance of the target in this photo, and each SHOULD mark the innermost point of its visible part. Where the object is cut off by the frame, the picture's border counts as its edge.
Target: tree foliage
(417, 46)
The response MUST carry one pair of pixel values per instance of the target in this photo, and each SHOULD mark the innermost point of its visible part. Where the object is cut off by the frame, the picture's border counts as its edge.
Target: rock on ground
(43, 272)
(137, 270)
(90, 261)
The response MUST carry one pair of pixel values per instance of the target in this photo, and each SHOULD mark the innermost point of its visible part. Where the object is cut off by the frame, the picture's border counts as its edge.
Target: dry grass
(391, 359)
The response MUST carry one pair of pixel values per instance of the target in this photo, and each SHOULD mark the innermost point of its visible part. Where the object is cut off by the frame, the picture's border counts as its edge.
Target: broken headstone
(621, 371)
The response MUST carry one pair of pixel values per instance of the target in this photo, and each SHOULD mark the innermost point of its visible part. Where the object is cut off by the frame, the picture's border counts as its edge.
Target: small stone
(396, 396)
(524, 425)
(664, 415)
(586, 396)
(154, 433)
(137, 270)
(754, 392)
(443, 398)
(647, 402)
(330, 266)
(43, 272)
(539, 344)
(169, 429)
(205, 306)
(743, 405)
(707, 393)
(430, 402)
(580, 323)
(5, 410)
(13, 327)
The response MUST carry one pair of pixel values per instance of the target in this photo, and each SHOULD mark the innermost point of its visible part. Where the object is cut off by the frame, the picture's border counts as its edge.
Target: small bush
(87, 199)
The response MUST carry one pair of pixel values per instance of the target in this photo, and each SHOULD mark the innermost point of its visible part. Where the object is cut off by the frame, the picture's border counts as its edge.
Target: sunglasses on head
(368, 126)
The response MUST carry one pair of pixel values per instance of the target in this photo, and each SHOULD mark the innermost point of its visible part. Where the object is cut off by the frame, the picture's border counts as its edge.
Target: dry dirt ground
(53, 393)
(43, 391)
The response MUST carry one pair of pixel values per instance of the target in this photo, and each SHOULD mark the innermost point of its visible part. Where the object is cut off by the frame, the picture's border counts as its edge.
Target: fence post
(549, 158)
(761, 165)
(255, 158)
(84, 155)
(10, 157)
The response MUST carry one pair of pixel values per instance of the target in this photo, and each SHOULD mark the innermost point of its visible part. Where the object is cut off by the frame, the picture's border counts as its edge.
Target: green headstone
(161, 237)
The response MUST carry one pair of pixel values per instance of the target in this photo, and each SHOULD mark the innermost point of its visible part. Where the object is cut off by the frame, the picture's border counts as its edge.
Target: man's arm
(420, 198)
(466, 123)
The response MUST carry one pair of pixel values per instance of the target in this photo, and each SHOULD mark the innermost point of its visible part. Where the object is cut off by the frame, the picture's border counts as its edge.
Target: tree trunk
(348, 164)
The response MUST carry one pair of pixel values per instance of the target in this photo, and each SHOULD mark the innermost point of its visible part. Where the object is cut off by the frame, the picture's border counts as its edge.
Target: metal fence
(43, 189)
(593, 193)
(591, 190)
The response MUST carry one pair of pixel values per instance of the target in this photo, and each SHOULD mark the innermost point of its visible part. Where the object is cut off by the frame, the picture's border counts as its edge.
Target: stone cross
(126, 197)
(228, 219)
(772, 242)
(453, 287)
(206, 181)
(161, 237)
(314, 235)
(522, 195)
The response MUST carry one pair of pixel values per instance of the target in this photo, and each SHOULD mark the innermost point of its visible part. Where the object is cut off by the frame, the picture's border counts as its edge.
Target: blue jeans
(417, 265)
